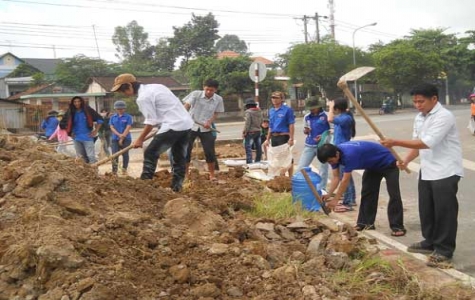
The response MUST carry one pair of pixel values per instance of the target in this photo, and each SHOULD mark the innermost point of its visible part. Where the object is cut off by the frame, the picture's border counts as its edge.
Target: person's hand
(138, 143)
(121, 140)
(331, 203)
(266, 143)
(318, 138)
(388, 143)
(306, 130)
(207, 124)
(402, 165)
(93, 133)
(331, 104)
(291, 142)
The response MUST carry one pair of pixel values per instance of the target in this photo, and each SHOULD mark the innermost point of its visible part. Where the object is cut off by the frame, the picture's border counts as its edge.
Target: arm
(139, 141)
(114, 131)
(331, 111)
(411, 144)
(291, 133)
(247, 123)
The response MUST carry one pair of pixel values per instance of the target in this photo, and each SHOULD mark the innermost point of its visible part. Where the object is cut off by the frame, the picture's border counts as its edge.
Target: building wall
(8, 63)
(94, 87)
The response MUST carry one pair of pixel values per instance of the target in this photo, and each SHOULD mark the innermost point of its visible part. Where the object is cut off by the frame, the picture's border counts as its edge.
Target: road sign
(257, 71)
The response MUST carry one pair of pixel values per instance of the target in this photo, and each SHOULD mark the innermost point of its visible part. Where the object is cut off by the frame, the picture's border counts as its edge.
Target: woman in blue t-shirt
(343, 131)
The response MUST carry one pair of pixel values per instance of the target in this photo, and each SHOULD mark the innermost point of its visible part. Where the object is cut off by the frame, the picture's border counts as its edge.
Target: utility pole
(95, 37)
(318, 29)
(305, 28)
(54, 51)
(331, 7)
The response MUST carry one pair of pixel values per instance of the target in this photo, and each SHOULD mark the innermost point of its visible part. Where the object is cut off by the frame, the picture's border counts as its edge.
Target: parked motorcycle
(387, 107)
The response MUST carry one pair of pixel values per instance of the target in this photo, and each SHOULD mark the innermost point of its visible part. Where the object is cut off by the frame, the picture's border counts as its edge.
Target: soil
(67, 232)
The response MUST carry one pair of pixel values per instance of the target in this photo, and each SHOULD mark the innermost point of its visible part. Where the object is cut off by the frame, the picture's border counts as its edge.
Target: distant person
(343, 131)
(252, 130)
(377, 163)
(436, 141)
(120, 125)
(281, 124)
(204, 107)
(159, 106)
(82, 124)
(50, 123)
(317, 129)
(61, 135)
(105, 132)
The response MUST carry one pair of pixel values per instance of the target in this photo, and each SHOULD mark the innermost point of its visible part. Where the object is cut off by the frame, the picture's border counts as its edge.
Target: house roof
(31, 90)
(45, 65)
(171, 83)
(263, 60)
(11, 55)
(232, 54)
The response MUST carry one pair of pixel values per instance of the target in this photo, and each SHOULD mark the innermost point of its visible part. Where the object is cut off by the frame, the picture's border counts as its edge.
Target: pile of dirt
(68, 233)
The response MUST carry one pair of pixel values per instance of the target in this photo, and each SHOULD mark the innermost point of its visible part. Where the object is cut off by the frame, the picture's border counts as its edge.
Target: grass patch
(278, 206)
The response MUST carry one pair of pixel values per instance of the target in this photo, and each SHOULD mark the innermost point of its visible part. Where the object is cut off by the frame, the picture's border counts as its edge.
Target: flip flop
(342, 208)
(397, 232)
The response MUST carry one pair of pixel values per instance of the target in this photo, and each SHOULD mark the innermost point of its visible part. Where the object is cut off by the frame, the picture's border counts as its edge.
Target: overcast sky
(64, 28)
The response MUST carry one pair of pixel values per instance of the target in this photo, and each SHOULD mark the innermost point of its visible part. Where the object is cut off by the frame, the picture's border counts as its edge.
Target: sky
(62, 29)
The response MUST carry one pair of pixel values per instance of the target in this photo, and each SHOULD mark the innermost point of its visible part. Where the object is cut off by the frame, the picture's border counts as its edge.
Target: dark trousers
(253, 139)
(278, 140)
(178, 142)
(207, 141)
(438, 211)
(125, 156)
(370, 195)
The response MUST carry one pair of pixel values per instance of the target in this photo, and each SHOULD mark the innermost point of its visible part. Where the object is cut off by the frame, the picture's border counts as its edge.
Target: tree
(196, 38)
(319, 66)
(23, 70)
(74, 72)
(164, 56)
(231, 42)
(131, 41)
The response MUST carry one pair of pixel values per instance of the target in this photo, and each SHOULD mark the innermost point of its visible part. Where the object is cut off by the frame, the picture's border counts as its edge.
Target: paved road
(399, 125)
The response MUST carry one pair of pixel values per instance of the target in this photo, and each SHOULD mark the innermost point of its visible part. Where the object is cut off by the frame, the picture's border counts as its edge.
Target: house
(9, 62)
(11, 115)
(102, 85)
(231, 54)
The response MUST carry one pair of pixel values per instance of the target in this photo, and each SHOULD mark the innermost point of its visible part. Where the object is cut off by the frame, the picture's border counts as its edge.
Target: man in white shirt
(204, 106)
(436, 141)
(159, 107)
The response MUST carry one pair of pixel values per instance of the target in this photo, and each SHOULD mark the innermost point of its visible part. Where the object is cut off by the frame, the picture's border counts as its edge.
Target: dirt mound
(68, 233)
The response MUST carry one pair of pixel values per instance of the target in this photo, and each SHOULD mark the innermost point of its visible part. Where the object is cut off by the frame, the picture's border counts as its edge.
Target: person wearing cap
(159, 107)
(82, 124)
(203, 107)
(120, 125)
(50, 123)
(317, 129)
(281, 124)
(252, 130)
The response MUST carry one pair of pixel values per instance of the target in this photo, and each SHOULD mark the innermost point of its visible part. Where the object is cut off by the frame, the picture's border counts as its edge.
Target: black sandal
(361, 227)
(398, 232)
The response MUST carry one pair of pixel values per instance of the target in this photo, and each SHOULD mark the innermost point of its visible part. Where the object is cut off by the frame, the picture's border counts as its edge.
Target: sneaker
(440, 261)
(419, 248)
(123, 171)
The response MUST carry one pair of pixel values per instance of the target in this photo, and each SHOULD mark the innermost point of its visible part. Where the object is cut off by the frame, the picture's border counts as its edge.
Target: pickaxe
(355, 75)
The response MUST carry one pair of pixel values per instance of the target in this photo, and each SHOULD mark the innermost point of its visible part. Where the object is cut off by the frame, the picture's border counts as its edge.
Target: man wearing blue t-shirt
(378, 162)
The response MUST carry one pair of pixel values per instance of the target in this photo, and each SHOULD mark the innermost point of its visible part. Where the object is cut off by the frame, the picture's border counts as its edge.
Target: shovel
(355, 75)
(315, 193)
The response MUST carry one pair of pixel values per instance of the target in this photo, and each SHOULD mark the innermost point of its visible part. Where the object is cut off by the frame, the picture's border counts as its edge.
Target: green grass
(279, 206)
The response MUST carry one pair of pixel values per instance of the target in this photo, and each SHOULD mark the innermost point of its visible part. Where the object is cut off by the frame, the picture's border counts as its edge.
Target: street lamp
(354, 53)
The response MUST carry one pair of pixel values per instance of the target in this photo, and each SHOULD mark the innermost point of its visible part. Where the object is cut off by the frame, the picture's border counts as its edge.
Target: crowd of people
(328, 137)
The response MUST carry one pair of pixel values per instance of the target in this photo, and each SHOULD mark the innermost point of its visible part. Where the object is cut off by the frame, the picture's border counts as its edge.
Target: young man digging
(377, 163)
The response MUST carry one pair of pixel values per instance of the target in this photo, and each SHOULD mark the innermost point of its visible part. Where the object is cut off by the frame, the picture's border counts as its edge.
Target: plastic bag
(280, 159)
(471, 126)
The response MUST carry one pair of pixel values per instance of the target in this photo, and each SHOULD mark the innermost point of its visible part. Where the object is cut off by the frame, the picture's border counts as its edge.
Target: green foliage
(319, 65)
(196, 38)
(130, 41)
(74, 72)
(231, 42)
(38, 79)
(23, 70)
(278, 206)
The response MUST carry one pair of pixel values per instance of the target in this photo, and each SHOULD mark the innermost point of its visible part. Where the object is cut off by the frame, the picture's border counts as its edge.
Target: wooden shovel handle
(117, 154)
(350, 96)
(315, 193)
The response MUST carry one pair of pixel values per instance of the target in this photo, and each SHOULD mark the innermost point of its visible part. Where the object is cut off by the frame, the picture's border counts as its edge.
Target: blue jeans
(349, 197)
(125, 156)
(249, 139)
(308, 155)
(178, 142)
(85, 150)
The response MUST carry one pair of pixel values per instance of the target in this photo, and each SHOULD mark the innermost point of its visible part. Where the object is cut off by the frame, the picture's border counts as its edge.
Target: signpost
(257, 73)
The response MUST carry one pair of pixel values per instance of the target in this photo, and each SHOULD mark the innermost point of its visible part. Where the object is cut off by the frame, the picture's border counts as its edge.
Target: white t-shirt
(438, 131)
(161, 107)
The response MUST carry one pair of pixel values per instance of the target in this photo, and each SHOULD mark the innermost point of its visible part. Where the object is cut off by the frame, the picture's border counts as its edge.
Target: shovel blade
(355, 74)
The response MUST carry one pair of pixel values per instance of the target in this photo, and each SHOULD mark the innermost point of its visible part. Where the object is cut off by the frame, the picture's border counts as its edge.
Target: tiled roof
(29, 91)
(45, 65)
(227, 53)
(263, 60)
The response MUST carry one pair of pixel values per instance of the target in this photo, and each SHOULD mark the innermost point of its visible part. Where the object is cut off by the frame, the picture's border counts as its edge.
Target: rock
(276, 255)
(285, 273)
(337, 260)
(206, 290)
(284, 232)
(329, 224)
(297, 256)
(99, 292)
(316, 245)
(218, 249)
(101, 247)
(30, 179)
(64, 256)
(297, 225)
(265, 226)
(314, 266)
(8, 187)
(255, 247)
(310, 293)
(180, 273)
(234, 292)
(85, 285)
(257, 261)
(271, 235)
(73, 206)
(340, 243)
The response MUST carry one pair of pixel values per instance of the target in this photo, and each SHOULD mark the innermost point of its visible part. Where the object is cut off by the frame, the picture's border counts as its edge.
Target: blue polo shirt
(80, 129)
(280, 119)
(362, 155)
(318, 124)
(342, 130)
(120, 123)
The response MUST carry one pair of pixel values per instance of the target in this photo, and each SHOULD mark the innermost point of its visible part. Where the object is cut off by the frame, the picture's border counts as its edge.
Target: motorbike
(387, 108)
